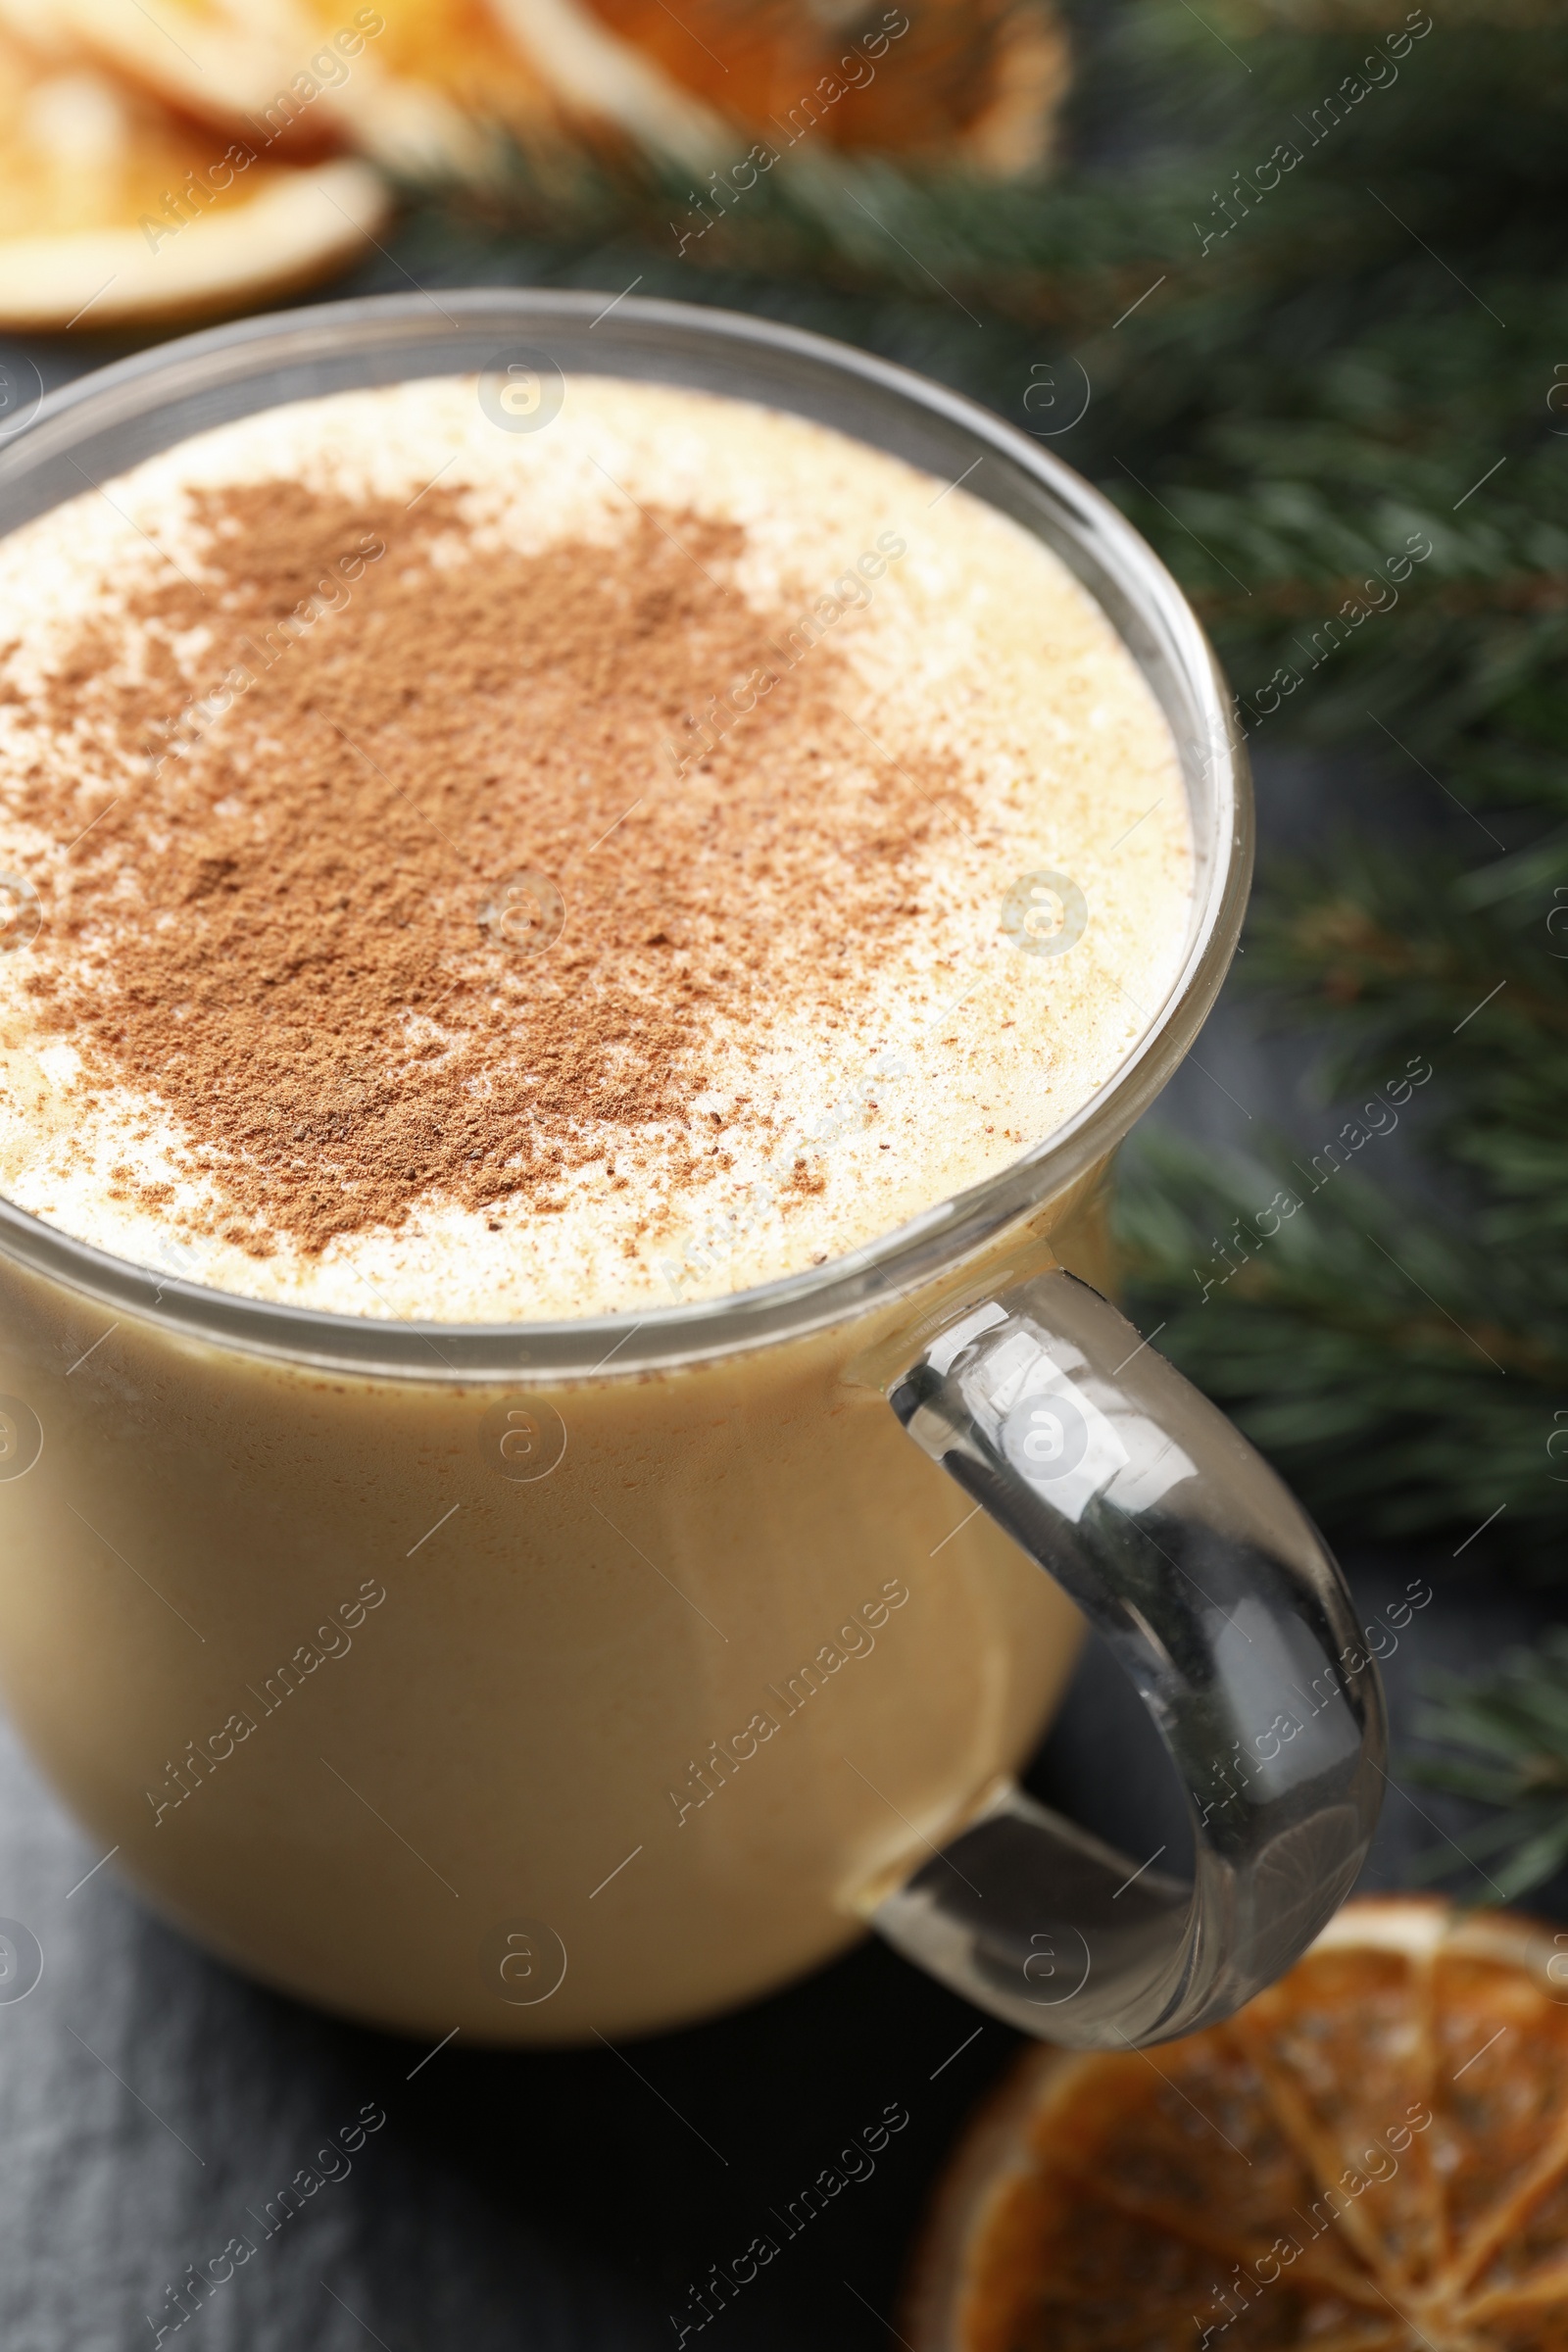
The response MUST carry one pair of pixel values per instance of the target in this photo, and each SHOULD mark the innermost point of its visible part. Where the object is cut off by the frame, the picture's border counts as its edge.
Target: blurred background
(1284, 277)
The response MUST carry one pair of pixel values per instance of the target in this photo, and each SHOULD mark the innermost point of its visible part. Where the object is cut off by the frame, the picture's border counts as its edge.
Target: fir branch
(1504, 1738)
(1404, 1379)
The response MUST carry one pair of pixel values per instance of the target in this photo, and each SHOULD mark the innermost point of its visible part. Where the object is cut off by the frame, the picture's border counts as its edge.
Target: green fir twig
(1506, 1735)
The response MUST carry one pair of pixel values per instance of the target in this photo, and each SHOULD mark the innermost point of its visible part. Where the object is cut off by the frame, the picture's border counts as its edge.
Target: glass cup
(546, 1679)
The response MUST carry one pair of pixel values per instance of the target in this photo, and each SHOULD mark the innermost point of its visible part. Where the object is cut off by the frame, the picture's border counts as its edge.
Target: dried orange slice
(111, 208)
(1372, 2157)
(971, 81)
(432, 88)
(441, 90)
(221, 62)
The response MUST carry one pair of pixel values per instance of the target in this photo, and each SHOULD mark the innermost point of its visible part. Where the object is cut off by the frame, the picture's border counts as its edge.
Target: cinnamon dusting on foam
(281, 936)
(273, 1010)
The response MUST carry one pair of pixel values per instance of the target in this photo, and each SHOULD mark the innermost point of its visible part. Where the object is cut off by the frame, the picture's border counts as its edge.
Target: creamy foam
(864, 1027)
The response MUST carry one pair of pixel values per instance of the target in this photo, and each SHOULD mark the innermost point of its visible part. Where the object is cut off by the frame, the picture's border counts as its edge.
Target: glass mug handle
(1220, 1600)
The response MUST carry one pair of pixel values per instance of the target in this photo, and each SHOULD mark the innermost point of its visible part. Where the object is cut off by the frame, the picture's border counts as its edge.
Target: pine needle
(1505, 1741)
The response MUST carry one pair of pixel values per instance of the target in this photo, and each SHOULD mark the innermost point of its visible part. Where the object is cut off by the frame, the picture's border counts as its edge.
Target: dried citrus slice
(111, 208)
(960, 80)
(441, 90)
(604, 80)
(221, 62)
(1372, 2157)
(433, 88)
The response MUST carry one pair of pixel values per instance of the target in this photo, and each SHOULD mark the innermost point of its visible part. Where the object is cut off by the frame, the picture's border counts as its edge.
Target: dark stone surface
(151, 2102)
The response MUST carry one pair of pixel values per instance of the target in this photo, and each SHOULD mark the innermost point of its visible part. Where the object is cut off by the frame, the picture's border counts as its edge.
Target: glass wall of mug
(530, 1706)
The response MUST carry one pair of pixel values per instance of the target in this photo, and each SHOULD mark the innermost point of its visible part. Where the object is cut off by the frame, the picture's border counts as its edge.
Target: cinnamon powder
(289, 927)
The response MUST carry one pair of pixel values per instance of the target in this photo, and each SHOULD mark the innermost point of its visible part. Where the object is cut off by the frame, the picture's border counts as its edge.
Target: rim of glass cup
(161, 396)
